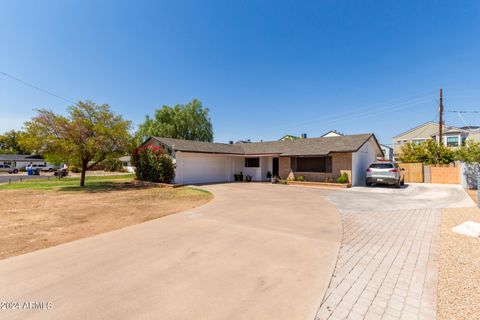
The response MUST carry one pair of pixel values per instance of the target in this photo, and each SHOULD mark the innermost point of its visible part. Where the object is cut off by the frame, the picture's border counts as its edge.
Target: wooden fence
(445, 174)
(413, 171)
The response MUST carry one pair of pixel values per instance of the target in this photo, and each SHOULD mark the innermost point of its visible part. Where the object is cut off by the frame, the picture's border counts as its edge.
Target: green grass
(92, 183)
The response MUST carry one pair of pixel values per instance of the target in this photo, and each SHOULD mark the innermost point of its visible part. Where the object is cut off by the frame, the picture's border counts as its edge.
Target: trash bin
(29, 171)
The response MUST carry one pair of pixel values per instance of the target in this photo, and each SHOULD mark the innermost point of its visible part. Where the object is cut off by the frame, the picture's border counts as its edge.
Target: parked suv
(386, 172)
(7, 168)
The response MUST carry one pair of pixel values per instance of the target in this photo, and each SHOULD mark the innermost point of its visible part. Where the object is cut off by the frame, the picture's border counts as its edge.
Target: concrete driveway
(257, 251)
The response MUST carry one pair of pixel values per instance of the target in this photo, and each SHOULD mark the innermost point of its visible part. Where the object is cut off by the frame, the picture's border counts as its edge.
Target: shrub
(300, 178)
(153, 164)
(343, 178)
(112, 165)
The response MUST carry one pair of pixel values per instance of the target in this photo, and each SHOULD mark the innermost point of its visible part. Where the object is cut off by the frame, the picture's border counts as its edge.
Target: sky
(263, 68)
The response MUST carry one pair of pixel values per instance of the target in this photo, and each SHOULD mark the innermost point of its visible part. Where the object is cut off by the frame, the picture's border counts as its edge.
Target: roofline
(415, 128)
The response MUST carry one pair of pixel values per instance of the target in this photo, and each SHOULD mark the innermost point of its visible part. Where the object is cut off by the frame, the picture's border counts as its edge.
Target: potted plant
(274, 179)
(248, 178)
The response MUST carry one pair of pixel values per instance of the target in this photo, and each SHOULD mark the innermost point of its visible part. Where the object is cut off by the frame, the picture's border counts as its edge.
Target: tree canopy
(428, 152)
(190, 122)
(89, 134)
(9, 142)
(469, 152)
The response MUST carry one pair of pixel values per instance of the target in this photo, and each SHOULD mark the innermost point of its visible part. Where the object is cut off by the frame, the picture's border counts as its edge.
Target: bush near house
(153, 164)
(343, 178)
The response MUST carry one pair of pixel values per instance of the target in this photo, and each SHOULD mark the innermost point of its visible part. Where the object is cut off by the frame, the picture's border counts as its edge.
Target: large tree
(86, 136)
(190, 122)
(9, 142)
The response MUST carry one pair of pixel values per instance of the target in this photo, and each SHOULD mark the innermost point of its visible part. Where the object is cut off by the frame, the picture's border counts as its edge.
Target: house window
(452, 141)
(418, 141)
(252, 162)
(314, 164)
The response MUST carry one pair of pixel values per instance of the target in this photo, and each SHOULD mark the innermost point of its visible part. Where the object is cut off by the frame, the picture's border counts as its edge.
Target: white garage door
(204, 168)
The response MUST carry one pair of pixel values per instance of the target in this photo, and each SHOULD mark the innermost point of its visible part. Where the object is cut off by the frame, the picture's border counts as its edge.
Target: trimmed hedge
(153, 164)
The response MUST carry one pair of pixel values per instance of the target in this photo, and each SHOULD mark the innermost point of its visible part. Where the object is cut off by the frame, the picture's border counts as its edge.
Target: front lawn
(37, 214)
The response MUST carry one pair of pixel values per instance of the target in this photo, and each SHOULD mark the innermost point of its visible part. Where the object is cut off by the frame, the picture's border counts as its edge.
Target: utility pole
(440, 121)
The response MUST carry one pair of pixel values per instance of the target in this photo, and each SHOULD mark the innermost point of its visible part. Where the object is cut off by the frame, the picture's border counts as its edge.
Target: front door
(275, 167)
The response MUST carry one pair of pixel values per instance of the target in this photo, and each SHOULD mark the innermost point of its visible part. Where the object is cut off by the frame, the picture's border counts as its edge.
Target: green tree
(190, 122)
(9, 142)
(428, 152)
(86, 136)
(469, 152)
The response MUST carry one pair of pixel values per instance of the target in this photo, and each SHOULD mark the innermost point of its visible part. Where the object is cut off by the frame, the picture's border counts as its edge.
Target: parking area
(387, 266)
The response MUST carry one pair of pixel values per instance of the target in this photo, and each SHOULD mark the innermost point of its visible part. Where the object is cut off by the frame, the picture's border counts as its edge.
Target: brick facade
(341, 162)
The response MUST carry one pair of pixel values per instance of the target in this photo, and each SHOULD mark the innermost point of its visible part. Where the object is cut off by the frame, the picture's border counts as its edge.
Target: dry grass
(34, 219)
(459, 268)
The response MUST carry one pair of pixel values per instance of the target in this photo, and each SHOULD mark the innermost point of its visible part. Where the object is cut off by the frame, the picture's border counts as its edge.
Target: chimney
(304, 136)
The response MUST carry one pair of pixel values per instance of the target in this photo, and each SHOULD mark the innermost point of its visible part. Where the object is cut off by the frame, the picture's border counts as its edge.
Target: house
(452, 137)
(20, 161)
(332, 133)
(127, 163)
(314, 158)
(387, 152)
(292, 137)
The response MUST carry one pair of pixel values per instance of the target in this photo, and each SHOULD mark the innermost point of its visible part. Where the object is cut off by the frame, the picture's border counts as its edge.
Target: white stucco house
(317, 159)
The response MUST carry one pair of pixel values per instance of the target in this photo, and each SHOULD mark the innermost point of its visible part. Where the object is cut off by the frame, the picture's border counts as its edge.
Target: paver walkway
(387, 266)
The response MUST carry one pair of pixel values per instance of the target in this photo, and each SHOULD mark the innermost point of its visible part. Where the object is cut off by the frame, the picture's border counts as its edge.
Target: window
(252, 162)
(418, 141)
(314, 164)
(452, 141)
(381, 165)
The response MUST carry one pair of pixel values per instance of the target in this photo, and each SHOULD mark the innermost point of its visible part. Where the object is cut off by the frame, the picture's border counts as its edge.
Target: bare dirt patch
(36, 219)
(459, 267)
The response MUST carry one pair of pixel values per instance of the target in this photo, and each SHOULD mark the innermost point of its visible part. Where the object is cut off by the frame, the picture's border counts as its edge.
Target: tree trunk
(84, 170)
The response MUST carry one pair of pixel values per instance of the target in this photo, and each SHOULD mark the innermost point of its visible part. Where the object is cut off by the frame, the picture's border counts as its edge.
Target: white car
(385, 172)
(8, 168)
(43, 167)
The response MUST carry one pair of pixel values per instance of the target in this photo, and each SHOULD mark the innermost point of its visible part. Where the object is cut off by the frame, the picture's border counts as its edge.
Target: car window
(1, 165)
(381, 166)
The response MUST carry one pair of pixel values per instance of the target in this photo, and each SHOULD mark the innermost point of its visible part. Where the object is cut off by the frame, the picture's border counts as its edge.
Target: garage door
(204, 169)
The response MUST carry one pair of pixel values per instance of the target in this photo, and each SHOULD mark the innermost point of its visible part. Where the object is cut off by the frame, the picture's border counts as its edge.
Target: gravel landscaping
(459, 267)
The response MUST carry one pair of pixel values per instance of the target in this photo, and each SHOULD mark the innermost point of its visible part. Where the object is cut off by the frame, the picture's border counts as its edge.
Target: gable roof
(297, 147)
(19, 157)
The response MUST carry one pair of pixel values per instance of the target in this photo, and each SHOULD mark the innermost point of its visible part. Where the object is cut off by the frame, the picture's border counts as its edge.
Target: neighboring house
(451, 136)
(387, 152)
(332, 133)
(127, 163)
(20, 161)
(288, 137)
(315, 158)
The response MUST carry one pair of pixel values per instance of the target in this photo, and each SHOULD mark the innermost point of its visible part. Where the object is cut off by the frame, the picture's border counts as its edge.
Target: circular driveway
(256, 251)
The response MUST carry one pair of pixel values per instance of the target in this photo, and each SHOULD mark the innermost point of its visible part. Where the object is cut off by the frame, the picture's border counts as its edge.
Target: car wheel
(367, 183)
(403, 182)
(397, 184)
(50, 169)
(15, 171)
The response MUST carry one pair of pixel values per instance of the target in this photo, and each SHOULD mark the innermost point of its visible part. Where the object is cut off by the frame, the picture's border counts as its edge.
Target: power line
(463, 111)
(36, 87)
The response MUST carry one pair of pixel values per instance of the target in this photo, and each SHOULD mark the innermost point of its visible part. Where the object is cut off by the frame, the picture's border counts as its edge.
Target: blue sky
(264, 68)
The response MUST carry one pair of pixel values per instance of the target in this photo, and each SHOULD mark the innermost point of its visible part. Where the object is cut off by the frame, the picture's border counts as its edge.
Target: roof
(297, 147)
(19, 157)
(430, 129)
(288, 137)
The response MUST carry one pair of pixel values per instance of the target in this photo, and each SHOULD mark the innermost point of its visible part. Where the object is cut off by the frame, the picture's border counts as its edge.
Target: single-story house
(20, 161)
(127, 163)
(317, 159)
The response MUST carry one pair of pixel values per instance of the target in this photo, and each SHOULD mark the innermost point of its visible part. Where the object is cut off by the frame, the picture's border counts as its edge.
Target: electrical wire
(36, 87)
